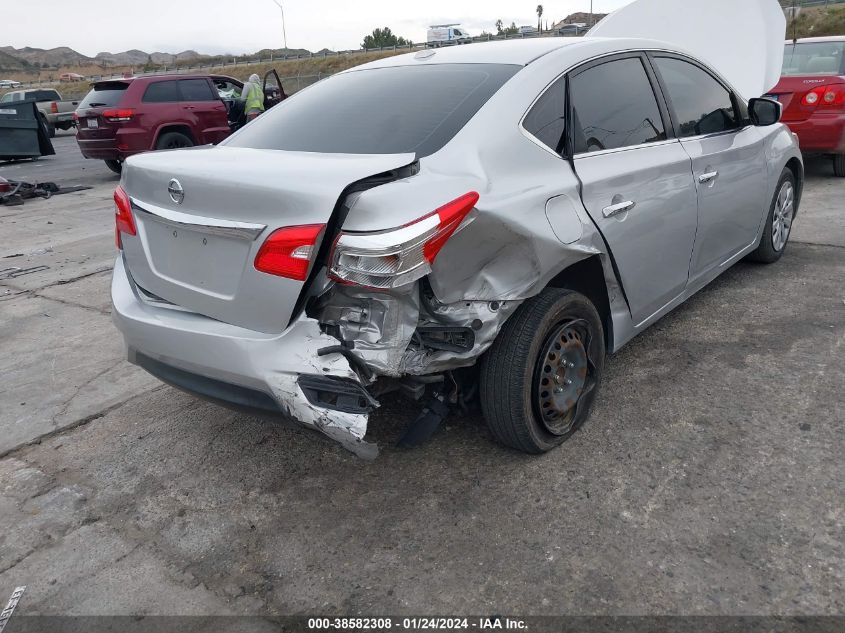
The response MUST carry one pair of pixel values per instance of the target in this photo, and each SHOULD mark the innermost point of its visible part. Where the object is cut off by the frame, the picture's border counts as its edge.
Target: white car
(9, 83)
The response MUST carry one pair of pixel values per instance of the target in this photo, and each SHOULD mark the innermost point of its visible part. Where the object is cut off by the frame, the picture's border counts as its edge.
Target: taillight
(75, 117)
(833, 95)
(389, 259)
(288, 251)
(123, 220)
(124, 114)
(54, 107)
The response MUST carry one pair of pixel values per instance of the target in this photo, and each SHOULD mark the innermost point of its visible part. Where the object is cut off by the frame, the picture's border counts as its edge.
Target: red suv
(812, 91)
(122, 117)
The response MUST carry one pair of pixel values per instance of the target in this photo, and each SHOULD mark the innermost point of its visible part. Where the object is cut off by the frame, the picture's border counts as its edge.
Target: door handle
(616, 209)
(710, 176)
(189, 107)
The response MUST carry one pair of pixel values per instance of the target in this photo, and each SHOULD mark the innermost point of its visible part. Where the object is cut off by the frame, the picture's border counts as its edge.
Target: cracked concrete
(709, 480)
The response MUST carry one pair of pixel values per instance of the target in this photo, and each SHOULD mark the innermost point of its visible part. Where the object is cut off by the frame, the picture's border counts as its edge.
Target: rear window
(813, 58)
(415, 109)
(106, 94)
(161, 92)
(43, 95)
(196, 90)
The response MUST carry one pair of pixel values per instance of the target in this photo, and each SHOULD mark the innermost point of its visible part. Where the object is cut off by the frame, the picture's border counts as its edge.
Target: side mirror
(764, 112)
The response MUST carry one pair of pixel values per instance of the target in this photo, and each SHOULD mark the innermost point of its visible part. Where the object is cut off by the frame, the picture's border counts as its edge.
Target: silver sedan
(484, 222)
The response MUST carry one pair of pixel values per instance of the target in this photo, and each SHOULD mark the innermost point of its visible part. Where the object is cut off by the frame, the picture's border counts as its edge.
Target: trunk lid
(200, 254)
(791, 91)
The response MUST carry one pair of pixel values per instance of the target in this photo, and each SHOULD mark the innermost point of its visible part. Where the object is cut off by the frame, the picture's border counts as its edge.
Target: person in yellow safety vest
(253, 97)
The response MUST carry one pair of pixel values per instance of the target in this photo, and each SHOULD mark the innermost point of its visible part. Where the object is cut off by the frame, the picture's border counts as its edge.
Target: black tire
(173, 140)
(516, 368)
(768, 252)
(115, 165)
(51, 129)
(839, 165)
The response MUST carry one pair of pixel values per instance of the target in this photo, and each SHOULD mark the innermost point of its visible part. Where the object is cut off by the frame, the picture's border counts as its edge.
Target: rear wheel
(115, 165)
(540, 377)
(839, 165)
(779, 223)
(173, 140)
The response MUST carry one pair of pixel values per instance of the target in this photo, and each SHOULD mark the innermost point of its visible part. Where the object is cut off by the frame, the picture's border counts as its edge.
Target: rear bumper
(823, 133)
(238, 366)
(125, 143)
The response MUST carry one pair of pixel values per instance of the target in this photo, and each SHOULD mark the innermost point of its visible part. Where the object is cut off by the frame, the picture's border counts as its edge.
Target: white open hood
(741, 39)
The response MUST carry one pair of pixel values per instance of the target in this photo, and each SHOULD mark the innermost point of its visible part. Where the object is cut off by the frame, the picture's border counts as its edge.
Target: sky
(246, 26)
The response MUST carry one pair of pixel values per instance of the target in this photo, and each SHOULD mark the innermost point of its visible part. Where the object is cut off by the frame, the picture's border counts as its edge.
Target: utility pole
(591, 14)
(284, 33)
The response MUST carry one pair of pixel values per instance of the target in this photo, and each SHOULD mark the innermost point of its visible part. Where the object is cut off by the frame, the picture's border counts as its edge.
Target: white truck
(446, 35)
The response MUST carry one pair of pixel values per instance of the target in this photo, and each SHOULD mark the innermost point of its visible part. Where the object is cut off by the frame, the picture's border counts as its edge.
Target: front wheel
(542, 374)
(839, 165)
(779, 222)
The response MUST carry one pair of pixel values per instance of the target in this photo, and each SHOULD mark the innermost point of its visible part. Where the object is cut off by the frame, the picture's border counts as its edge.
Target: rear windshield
(408, 109)
(813, 58)
(104, 95)
(43, 95)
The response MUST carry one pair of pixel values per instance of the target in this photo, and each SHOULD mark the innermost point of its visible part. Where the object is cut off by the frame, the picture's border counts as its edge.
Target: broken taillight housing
(289, 250)
(389, 259)
(123, 220)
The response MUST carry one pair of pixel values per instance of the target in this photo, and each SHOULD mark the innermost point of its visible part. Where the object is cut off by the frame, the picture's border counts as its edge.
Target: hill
(61, 56)
(818, 22)
(9, 63)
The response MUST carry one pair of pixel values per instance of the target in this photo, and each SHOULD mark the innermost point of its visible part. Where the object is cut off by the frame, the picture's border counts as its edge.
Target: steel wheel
(782, 217)
(562, 377)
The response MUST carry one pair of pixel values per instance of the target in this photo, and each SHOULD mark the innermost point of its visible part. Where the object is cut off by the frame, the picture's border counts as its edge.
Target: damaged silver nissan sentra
(486, 220)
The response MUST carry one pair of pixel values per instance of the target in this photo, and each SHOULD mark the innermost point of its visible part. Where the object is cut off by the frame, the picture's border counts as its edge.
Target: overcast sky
(245, 26)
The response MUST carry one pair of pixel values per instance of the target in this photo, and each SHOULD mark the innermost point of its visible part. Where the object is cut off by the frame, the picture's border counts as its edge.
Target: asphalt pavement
(709, 481)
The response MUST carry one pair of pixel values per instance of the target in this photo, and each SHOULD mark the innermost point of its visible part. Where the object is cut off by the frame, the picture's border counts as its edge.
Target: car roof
(520, 52)
(164, 76)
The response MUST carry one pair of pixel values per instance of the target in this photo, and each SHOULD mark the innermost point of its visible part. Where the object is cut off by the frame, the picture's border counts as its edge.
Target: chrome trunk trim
(224, 228)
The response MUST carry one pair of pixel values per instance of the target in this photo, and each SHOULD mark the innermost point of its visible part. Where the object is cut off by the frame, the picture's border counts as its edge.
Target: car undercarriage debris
(14, 192)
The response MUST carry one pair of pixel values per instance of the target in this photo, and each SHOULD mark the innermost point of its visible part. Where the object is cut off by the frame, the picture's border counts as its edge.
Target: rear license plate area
(93, 124)
(203, 261)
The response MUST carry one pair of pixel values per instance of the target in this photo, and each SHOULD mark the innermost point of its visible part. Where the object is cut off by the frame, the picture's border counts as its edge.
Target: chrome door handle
(616, 209)
(710, 176)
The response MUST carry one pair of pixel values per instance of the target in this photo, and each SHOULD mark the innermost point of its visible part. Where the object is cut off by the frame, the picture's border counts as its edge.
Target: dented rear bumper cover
(237, 365)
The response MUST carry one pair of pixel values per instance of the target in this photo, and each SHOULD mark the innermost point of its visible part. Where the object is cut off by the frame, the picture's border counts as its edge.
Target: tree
(382, 38)
(513, 29)
(539, 17)
(500, 27)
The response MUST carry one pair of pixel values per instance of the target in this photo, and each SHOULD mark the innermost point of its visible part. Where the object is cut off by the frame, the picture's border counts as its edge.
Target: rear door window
(814, 58)
(196, 90)
(701, 104)
(409, 109)
(545, 121)
(614, 106)
(104, 95)
(161, 92)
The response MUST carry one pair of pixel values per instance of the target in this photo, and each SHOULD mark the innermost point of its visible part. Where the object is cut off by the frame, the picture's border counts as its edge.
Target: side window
(701, 104)
(196, 90)
(613, 106)
(545, 120)
(161, 92)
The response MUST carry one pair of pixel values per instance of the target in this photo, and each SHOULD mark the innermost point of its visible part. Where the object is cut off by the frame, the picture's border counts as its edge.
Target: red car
(812, 91)
(122, 117)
